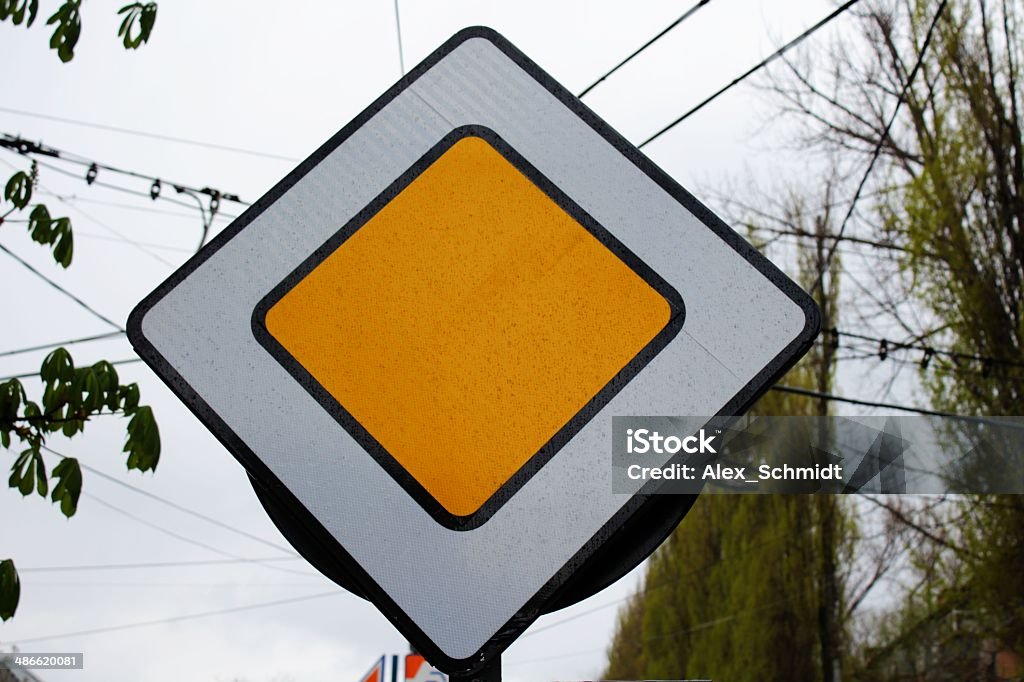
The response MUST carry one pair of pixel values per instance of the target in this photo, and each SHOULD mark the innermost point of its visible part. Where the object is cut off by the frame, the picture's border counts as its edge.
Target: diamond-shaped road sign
(416, 340)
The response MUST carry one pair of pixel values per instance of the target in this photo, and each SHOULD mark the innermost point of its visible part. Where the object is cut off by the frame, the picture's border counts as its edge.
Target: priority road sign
(416, 341)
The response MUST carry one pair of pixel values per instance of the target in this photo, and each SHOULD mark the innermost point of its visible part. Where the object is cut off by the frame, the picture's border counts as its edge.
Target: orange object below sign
(466, 320)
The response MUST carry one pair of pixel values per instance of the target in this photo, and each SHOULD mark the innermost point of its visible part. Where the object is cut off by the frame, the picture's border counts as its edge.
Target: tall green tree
(71, 395)
(749, 587)
(949, 193)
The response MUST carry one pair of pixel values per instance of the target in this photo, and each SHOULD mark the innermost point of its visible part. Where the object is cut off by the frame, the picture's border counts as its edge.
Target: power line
(152, 564)
(124, 238)
(886, 346)
(881, 139)
(754, 69)
(177, 619)
(795, 390)
(178, 536)
(685, 15)
(142, 133)
(26, 375)
(670, 581)
(125, 190)
(178, 507)
(105, 185)
(27, 147)
(58, 344)
(82, 304)
(74, 198)
(672, 635)
(152, 245)
(398, 33)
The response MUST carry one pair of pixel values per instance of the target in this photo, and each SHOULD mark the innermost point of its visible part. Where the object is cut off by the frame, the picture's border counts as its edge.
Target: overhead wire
(58, 344)
(398, 33)
(33, 149)
(152, 565)
(876, 152)
(178, 507)
(123, 237)
(796, 390)
(143, 133)
(183, 538)
(683, 17)
(177, 619)
(751, 71)
(27, 375)
(117, 188)
(82, 304)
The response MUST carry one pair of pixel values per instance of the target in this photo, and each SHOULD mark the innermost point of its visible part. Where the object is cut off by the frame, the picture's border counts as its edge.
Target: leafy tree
(135, 29)
(71, 395)
(749, 587)
(948, 193)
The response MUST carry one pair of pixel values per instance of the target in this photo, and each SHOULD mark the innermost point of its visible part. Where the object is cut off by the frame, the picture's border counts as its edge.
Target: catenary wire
(58, 344)
(881, 141)
(182, 538)
(143, 133)
(82, 304)
(751, 71)
(177, 619)
(683, 17)
(398, 34)
(28, 148)
(176, 506)
(154, 565)
(28, 375)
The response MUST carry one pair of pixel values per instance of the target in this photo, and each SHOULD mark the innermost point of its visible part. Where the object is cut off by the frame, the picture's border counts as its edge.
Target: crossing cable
(176, 506)
(183, 538)
(153, 564)
(796, 390)
(142, 133)
(27, 375)
(881, 142)
(886, 346)
(82, 304)
(178, 619)
(68, 342)
(27, 148)
(751, 71)
(398, 33)
(685, 15)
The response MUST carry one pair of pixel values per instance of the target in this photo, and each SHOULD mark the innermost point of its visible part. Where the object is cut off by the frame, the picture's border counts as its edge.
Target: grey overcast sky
(281, 78)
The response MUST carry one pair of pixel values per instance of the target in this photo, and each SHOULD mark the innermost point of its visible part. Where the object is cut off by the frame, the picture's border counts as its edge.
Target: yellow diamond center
(467, 322)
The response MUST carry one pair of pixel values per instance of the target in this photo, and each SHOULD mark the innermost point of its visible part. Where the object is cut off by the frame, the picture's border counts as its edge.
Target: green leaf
(45, 229)
(143, 443)
(12, 395)
(68, 28)
(28, 472)
(17, 10)
(57, 366)
(19, 190)
(10, 589)
(140, 16)
(69, 485)
(39, 224)
(129, 397)
(64, 244)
